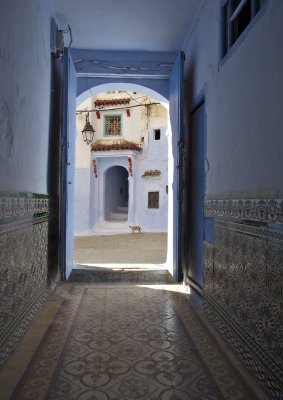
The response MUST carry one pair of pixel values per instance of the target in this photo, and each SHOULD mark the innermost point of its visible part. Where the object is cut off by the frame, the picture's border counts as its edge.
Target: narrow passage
(138, 337)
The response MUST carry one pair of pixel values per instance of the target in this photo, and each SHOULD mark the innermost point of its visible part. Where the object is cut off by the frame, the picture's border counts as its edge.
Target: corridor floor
(124, 340)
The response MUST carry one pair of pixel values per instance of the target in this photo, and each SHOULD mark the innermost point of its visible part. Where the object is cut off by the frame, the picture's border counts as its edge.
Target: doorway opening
(129, 159)
(116, 194)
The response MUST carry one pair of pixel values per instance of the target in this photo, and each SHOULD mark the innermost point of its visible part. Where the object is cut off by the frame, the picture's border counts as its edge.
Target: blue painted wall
(243, 99)
(25, 65)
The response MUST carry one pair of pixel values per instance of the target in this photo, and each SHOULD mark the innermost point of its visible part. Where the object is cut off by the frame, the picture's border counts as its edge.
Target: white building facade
(121, 178)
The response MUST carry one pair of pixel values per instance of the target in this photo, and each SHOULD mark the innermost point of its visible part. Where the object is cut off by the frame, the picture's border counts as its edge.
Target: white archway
(93, 91)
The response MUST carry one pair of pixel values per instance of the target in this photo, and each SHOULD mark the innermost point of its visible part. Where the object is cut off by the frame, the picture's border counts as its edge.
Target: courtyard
(130, 248)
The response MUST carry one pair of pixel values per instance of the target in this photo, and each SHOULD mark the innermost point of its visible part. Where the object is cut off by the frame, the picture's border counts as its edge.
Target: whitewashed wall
(24, 95)
(154, 156)
(82, 176)
(244, 141)
(88, 202)
(243, 99)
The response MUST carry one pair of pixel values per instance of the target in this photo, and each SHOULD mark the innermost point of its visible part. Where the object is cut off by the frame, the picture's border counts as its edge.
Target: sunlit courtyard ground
(136, 248)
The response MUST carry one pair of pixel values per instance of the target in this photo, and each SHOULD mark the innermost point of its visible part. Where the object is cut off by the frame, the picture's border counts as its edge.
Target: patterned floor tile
(125, 342)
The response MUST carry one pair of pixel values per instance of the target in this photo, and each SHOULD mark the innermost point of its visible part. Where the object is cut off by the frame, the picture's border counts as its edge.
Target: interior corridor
(138, 338)
(215, 66)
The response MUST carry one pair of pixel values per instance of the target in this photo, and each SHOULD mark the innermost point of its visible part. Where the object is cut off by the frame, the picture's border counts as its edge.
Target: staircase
(120, 215)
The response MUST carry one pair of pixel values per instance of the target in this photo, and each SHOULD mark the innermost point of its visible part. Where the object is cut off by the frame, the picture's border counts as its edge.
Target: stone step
(119, 216)
(123, 209)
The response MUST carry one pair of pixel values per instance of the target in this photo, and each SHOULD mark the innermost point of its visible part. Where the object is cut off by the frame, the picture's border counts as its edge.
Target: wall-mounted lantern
(88, 131)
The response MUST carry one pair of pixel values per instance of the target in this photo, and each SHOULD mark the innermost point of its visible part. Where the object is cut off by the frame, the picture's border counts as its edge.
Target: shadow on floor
(123, 335)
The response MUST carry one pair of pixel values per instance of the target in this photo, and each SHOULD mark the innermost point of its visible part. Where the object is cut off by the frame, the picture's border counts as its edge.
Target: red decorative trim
(94, 168)
(113, 102)
(98, 114)
(130, 166)
(125, 145)
(128, 112)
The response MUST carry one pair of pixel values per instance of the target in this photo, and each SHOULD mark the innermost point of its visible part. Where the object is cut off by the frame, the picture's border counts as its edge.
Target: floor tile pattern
(129, 341)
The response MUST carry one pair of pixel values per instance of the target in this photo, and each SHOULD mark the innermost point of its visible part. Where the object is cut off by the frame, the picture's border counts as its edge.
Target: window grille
(236, 16)
(113, 125)
(153, 199)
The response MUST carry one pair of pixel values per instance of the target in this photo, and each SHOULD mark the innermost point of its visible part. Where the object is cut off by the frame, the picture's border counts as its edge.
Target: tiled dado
(25, 281)
(262, 210)
(243, 283)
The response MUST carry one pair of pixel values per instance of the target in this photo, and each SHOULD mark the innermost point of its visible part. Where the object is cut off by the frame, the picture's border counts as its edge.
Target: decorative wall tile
(25, 278)
(262, 210)
(22, 207)
(243, 284)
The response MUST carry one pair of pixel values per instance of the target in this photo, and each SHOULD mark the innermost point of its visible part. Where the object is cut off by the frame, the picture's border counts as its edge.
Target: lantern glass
(88, 131)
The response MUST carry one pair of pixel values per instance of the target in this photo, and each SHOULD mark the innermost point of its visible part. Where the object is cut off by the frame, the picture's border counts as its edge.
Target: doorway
(117, 173)
(196, 194)
(171, 87)
(116, 195)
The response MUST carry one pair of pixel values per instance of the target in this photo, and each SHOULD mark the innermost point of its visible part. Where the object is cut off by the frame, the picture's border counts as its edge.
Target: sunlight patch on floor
(170, 288)
(122, 266)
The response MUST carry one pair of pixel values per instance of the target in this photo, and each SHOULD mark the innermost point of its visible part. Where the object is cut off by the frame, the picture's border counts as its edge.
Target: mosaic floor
(125, 341)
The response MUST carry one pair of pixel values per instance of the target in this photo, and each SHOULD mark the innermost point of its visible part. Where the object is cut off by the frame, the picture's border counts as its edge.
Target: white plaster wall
(154, 156)
(133, 127)
(89, 191)
(24, 95)
(83, 172)
(129, 125)
(82, 200)
(243, 99)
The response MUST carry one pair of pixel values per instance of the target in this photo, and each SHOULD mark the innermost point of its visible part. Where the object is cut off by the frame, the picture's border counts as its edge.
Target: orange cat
(135, 228)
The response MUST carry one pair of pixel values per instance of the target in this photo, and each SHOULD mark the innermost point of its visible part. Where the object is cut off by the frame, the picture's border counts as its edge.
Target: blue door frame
(67, 165)
(161, 72)
(176, 108)
(196, 191)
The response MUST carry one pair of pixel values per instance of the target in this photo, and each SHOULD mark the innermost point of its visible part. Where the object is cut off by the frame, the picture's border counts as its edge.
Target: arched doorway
(116, 194)
(98, 188)
(171, 87)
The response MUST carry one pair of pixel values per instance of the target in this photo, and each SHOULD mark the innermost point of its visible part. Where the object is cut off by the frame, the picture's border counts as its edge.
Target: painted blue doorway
(176, 106)
(196, 195)
(116, 194)
(67, 165)
(161, 73)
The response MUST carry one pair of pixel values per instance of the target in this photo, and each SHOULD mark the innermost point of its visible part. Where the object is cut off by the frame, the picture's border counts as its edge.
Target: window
(156, 134)
(236, 16)
(112, 125)
(153, 199)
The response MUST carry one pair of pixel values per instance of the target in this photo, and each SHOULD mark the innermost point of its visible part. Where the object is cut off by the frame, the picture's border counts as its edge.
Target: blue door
(67, 165)
(196, 195)
(176, 105)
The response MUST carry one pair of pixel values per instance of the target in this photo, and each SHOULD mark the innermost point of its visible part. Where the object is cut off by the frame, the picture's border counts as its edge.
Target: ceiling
(150, 25)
